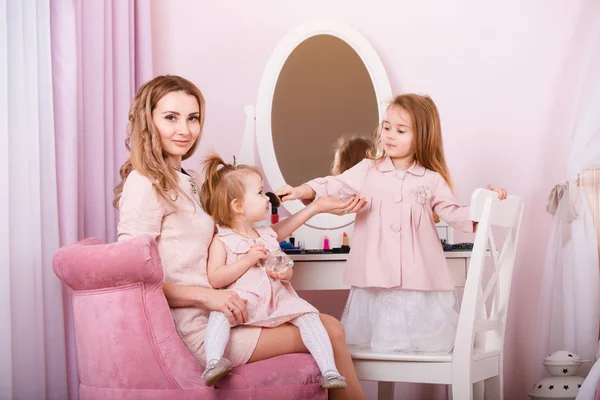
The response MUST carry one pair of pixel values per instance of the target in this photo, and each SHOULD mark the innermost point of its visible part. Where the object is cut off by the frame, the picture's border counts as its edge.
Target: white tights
(315, 338)
(313, 333)
(216, 336)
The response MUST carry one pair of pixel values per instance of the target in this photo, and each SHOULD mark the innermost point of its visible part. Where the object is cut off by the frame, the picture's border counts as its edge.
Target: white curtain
(32, 343)
(570, 302)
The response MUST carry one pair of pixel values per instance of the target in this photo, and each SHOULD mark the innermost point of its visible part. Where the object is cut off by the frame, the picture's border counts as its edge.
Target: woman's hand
(335, 206)
(501, 192)
(302, 192)
(229, 303)
(284, 275)
(257, 252)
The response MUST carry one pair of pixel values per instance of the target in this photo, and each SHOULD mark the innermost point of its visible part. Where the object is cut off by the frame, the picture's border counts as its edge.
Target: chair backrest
(124, 330)
(476, 325)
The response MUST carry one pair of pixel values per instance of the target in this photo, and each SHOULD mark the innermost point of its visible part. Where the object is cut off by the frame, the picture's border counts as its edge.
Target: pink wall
(505, 77)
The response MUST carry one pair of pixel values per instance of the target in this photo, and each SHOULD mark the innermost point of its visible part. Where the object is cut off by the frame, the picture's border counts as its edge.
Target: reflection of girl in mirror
(349, 151)
(234, 196)
(402, 295)
(158, 197)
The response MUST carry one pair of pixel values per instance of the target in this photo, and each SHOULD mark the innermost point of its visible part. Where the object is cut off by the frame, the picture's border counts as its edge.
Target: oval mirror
(324, 92)
(323, 81)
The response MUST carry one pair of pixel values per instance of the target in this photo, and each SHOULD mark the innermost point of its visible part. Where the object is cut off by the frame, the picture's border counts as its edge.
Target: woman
(159, 198)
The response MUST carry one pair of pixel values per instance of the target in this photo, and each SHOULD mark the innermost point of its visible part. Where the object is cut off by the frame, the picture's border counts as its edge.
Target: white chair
(478, 348)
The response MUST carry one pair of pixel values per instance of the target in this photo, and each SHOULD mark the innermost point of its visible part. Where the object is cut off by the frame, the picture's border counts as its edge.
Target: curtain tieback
(567, 194)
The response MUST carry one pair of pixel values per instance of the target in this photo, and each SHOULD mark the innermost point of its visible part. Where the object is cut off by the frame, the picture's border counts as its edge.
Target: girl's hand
(229, 303)
(501, 192)
(301, 192)
(501, 195)
(284, 275)
(257, 252)
(335, 206)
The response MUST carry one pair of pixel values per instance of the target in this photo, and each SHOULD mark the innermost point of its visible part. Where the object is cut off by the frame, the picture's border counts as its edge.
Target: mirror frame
(266, 91)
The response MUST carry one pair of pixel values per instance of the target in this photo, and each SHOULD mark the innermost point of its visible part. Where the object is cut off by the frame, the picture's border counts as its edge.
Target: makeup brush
(274, 199)
(275, 203)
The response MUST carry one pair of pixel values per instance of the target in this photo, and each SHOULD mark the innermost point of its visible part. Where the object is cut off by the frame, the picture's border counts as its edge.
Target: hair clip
(235, 165)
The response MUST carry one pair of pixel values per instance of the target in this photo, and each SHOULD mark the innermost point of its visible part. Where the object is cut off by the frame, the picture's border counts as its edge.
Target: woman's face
(177, 118)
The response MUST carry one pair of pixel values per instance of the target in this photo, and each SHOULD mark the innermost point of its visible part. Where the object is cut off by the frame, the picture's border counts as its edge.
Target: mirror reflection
(349, 151)
(324, 101)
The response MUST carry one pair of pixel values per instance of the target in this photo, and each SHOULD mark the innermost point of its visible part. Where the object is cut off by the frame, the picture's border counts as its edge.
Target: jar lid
(562, 357)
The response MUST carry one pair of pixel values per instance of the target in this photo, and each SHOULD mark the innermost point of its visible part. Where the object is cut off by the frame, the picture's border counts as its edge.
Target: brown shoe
(215, 370)
(333, 382)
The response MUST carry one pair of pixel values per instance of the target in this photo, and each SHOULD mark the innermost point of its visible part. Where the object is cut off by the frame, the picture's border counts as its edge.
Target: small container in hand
(276, 261)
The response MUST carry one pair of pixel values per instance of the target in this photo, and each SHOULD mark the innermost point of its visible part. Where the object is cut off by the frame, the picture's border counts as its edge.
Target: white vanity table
(326, 271)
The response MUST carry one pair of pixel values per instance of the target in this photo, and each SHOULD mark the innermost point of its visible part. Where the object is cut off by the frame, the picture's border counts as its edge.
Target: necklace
(194, 185)
(191, 179)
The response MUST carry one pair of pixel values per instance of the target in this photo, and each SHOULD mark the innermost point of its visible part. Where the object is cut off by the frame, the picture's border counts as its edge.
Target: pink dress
(183, 236)
(271, 302)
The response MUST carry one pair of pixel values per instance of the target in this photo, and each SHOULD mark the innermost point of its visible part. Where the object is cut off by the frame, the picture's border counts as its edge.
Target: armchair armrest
(91, 264)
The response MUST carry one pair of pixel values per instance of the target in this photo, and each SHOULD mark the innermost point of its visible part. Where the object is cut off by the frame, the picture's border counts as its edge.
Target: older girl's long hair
(223, 184)
(143, 139)
(427, 134)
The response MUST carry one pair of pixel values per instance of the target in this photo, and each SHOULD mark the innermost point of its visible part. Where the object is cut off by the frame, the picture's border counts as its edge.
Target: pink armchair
(127, 344)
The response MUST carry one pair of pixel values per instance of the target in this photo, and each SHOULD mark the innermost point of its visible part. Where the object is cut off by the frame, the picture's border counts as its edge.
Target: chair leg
(493, 388)
(385, 390)
(462, 391)
(449, 392)
(478, 390)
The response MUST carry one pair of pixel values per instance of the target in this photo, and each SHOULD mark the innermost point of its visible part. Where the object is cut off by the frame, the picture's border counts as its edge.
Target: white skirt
(400, 320)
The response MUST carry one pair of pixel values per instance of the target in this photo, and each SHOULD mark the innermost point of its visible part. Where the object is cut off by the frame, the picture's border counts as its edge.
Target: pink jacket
(395, 243)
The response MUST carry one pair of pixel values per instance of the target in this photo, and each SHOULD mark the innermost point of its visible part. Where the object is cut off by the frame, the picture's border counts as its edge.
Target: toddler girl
(233, 195)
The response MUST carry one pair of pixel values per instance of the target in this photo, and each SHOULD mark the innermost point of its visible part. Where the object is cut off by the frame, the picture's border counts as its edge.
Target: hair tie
(235, 165)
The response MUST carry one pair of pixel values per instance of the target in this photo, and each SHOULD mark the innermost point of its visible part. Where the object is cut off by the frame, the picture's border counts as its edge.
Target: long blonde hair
(143, 139)
(427, 134)
(223, 184)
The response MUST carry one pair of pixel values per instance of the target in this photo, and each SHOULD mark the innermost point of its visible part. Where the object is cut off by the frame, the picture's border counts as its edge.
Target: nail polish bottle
(326, 246)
